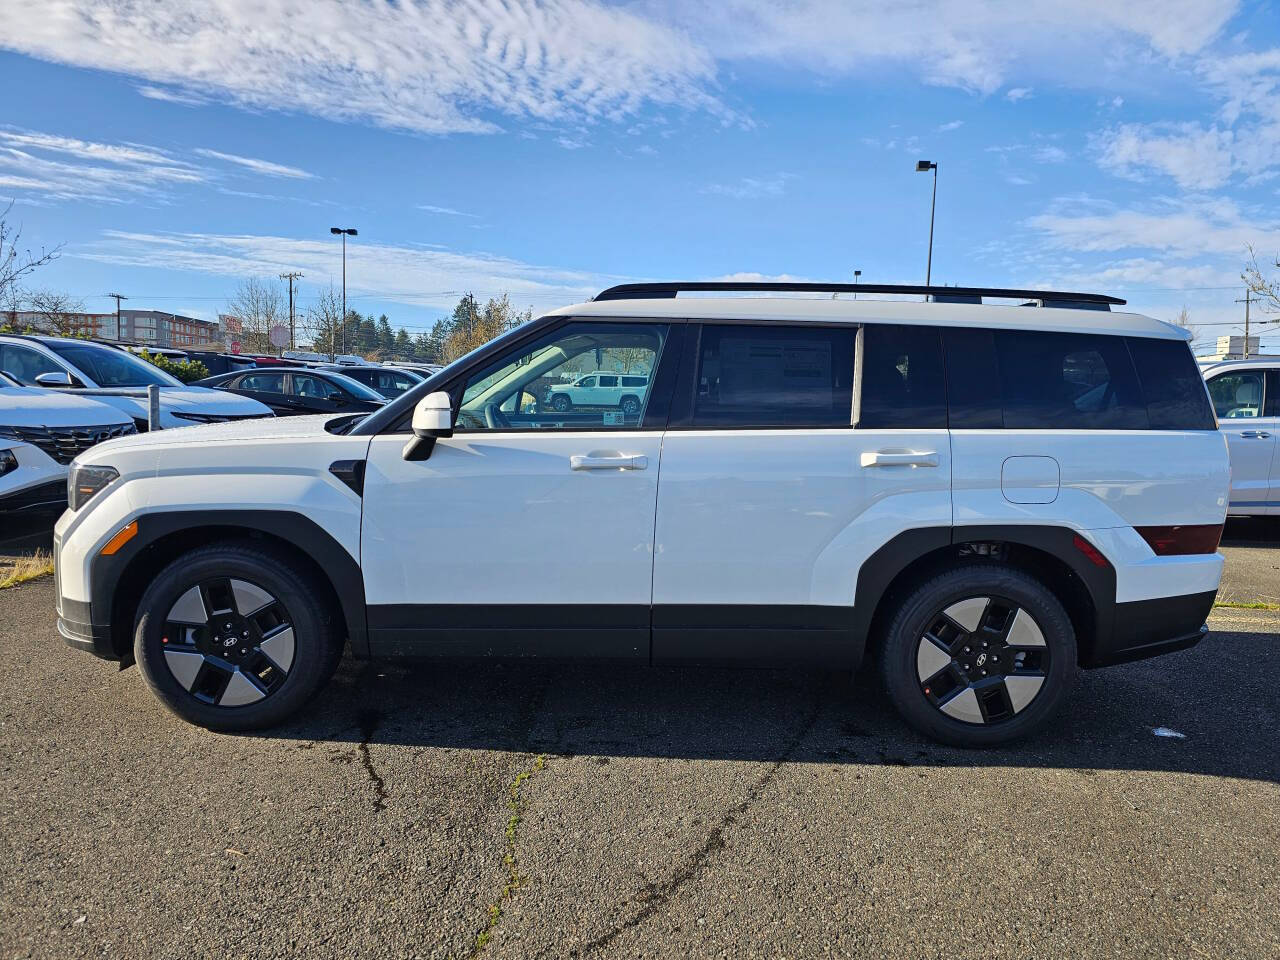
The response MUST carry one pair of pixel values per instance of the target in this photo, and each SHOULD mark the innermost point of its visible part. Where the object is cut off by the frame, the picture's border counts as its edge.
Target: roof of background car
(826, 310)
(1264, 361)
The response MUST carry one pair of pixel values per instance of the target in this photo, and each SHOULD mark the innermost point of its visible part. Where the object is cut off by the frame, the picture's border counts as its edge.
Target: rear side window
(1273, 393)
(774, 376)
(262, 382)
(902, 383)
(1068, 381)
(1171, 385)
(973, 380)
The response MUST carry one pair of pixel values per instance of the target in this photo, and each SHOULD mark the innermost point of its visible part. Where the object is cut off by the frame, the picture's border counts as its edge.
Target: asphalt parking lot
(541, 810)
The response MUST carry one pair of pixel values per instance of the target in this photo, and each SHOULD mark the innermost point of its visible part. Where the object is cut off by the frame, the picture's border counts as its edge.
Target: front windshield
(109, 367)
(356, 388)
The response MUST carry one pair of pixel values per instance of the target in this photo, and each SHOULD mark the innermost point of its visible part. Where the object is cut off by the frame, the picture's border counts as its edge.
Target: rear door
(774, 489)
(1240, 400)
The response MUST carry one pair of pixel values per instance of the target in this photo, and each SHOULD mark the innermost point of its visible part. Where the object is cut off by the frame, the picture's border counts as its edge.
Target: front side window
(761, 375)
(25, 364)
(109, 367)
(306, 385)
(1237, 396)
(540, 386)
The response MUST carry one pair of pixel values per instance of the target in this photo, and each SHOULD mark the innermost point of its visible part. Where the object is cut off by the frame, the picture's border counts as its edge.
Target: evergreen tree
(386, 336)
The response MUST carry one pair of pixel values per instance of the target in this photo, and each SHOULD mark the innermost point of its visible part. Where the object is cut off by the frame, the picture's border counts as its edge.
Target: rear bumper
(1149, 628)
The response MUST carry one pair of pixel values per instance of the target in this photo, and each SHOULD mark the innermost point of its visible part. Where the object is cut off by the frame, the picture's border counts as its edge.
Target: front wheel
(979, 656)
(235, 637)
(560, 403)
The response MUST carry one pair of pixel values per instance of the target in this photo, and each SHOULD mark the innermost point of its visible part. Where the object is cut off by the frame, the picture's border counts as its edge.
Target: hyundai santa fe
(975, 498)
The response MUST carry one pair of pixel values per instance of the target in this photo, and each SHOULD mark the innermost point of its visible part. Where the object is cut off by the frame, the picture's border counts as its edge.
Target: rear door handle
(1255, 434)
(899, 458)
(627, 461)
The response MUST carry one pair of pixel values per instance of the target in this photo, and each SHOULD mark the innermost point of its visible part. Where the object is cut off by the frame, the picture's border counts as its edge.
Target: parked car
(387, 382)
(986, 497)
(117, 377)
(41, 431)
(298, 390)
(1246, 398)
(426, 369)
(601, 388)
(217, 363)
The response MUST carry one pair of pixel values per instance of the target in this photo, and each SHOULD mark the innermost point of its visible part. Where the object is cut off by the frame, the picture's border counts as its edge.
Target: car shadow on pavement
(1221, 696)
(1251, 532)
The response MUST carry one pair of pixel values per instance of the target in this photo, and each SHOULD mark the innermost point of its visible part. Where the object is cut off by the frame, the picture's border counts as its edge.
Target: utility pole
(290, 277)
(119, 297)
(1248, 299)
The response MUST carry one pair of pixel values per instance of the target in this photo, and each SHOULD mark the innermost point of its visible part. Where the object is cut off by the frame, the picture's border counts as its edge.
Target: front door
(1239, 397)
(530, 530)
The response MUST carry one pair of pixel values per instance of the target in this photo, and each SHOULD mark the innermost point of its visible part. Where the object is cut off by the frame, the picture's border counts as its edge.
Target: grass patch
(515, 804)
(1251, 605)
(39, 564)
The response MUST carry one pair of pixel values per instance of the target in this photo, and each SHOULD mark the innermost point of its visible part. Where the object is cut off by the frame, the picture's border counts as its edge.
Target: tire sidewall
(903, 636)
(313, 658)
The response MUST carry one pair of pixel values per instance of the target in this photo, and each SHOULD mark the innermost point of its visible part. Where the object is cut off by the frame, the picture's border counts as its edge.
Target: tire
(976, 618)
(195, 663)
(560, 403)
(630, 405)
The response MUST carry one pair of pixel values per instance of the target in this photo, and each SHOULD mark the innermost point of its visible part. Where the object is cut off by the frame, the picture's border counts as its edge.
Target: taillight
(1182, 540)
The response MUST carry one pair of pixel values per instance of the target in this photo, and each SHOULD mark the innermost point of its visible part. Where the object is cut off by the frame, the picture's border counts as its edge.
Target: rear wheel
(235, 637)
(979, 656)
(630, 406)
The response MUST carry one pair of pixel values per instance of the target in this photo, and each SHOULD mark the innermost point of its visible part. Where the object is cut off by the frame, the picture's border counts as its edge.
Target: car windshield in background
(109, 367)
(356, 388)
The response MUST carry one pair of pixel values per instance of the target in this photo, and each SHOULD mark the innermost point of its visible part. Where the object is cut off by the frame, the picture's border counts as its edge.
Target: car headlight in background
(8, 462)
(84, 482)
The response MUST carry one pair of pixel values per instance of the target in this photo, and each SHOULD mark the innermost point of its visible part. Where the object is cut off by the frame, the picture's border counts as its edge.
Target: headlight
(8, 462)
(83, 482)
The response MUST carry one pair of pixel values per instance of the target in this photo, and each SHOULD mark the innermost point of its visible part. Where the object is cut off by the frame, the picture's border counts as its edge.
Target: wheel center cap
(982, 660)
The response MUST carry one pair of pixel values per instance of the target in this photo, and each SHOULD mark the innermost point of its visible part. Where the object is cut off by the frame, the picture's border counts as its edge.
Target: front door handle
(1255, 434)
(899, 458)
(622, 461)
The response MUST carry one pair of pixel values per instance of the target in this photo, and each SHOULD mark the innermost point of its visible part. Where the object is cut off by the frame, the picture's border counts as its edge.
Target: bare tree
(15, 262)
(323, 322)
(59, 313)
(1183, 320)
(259, 306)
(1265, 289)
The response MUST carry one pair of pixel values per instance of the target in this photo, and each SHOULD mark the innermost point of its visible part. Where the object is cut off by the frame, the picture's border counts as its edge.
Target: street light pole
(345, 232)
(924, 166)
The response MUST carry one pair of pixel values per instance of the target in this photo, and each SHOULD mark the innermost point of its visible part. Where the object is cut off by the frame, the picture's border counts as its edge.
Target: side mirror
(53, 380)
(432, 419)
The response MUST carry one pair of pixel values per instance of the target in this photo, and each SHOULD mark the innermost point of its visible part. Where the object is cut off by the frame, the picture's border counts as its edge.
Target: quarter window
(1068, 381)
(774, 376)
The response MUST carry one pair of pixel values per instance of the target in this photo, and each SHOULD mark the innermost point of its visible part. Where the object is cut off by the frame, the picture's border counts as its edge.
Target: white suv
(118, 378)
(602, 388)
(1246, 396)
(978, 498)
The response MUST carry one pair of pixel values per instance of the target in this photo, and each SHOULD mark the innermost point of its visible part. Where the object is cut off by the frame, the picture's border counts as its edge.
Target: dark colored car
(298, 390)
(390, 382)
(217, 363)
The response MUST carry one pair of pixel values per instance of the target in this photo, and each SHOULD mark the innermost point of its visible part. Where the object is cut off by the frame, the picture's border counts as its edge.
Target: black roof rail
(668, 290)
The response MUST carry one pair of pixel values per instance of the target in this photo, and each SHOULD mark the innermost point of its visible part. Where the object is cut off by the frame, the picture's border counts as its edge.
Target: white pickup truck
(601, 389)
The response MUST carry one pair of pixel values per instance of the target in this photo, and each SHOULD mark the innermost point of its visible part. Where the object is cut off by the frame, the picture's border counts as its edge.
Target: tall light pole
(345, 232)
(924, 166)
(857, 274)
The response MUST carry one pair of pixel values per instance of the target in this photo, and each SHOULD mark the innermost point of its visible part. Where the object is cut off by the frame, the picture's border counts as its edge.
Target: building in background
(164, 329)
(62, 323)
(1233, 348)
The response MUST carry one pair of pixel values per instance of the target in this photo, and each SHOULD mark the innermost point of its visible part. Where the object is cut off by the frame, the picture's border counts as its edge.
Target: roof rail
(667, 290)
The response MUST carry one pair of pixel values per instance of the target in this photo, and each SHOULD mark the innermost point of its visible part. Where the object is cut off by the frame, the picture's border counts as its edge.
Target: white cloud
(445, 211)
(422, 275)
(571, 143)
(171, 96)
(264, 167)
(1018, 93)
(1195, 157)
(422, 65)
(65, 168)
(752, 188)
(953, 125)
(1049, 155)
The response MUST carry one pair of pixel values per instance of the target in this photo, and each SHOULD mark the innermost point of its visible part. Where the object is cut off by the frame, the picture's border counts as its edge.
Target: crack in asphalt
(368, 720)
(656, 895)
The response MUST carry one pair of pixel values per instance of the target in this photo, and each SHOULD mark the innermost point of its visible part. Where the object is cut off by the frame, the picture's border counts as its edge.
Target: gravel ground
(518, 811)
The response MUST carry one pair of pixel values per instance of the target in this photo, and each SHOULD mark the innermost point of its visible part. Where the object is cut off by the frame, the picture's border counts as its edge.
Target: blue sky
(547, 149)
